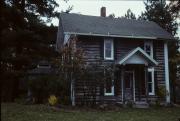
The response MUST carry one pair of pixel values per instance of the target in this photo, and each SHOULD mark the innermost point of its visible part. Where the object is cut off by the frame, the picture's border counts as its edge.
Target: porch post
(139, 83)
(166, 72)
(122, 83)
(146, 81)
(134, 86)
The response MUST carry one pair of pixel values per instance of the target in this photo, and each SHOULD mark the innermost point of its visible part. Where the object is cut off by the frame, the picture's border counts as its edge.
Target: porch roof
(137, 56)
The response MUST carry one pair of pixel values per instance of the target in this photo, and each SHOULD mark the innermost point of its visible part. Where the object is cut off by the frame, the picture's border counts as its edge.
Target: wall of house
(93, 48)
(159, 57)
(159, 73)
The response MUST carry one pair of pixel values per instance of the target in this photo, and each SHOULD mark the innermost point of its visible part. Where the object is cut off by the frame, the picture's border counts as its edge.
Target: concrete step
(141, 105)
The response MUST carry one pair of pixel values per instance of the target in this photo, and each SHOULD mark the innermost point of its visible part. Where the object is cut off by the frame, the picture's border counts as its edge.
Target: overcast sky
(92, 7)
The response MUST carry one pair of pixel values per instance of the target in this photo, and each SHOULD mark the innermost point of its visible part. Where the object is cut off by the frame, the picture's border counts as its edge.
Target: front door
(129, 82)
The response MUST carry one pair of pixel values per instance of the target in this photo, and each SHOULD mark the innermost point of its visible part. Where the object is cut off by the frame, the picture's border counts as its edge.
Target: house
(138, 48)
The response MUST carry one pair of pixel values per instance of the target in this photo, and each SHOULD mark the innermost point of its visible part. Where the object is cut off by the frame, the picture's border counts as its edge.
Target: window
(151, 81)
(108, 49)
(109, 84)
(109, 88)
(148, 47)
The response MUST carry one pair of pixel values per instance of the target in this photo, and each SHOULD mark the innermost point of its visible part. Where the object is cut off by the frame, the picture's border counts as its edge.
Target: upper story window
(108, 49)
(148, 47)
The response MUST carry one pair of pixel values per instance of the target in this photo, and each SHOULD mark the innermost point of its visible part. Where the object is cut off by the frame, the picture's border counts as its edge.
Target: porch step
(141, 105)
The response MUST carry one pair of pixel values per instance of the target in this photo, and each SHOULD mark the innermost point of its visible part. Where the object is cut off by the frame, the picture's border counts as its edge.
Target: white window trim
(152, 81)
(150, 43)
(112, 49)
(112, 90)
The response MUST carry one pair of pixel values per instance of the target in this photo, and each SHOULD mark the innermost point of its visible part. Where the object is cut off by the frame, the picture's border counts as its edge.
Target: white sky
(92, 7)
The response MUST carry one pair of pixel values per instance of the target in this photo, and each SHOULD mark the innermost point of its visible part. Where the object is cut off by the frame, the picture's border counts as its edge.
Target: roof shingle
(83, 24)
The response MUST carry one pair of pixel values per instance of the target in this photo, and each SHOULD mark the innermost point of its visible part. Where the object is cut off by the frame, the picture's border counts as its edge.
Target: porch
(134, 78)
(134, 83)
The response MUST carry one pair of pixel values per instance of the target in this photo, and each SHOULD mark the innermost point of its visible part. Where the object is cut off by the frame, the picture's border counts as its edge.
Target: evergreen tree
(111, 15)
(25, 39)
(175, 8)
(130, 14)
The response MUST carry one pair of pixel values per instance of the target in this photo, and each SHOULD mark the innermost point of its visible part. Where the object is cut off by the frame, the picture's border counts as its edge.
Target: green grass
(19, 112)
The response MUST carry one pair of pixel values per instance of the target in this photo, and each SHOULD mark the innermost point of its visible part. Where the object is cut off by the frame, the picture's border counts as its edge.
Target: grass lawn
(19, 112)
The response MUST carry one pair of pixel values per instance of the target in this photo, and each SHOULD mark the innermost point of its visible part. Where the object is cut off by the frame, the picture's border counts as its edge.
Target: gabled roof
(140, 51)
(113, 27)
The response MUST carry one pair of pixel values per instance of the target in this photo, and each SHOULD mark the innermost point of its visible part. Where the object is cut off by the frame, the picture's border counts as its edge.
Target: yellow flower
(52, 100)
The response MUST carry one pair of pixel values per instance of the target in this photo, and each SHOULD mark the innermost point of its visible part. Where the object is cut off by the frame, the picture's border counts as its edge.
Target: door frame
(133, 83)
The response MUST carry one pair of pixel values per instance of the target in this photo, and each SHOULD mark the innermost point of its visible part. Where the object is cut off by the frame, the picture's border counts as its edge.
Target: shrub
(52, 100)
(44, 85)
(161, 91)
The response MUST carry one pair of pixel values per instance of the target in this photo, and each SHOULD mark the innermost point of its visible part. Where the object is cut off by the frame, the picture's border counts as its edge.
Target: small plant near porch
(161, 93)
(53, 100)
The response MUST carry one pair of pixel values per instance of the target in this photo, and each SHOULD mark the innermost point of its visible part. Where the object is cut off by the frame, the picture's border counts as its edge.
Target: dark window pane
(150, 87)
(108, 49)
(148, 49)
(148, 52)
(150, 81)
(108, 45)
(108, 53)
(108, 86)
(149, 77)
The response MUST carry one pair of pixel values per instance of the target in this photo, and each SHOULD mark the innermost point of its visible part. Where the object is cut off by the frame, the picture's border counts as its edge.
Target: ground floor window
(151, 81)
(109, 87)
(109, 82)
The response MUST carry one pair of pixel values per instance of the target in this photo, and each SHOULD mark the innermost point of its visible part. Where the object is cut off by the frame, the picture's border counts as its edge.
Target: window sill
(151, 94)
(108, 94)
(109, 59)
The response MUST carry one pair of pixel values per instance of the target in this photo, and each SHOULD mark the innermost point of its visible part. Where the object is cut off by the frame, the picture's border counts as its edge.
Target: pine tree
(130, 14)
(25, 39)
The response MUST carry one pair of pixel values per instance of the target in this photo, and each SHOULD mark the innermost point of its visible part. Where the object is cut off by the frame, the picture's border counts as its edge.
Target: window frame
(151, 70)
(112, 48)
(149, 43)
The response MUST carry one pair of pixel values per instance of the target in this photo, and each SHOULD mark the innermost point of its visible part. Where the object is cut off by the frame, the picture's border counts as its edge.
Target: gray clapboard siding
(91, 48)
(124, 46)
(87, 91)
(93, 52)
(160, 69)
